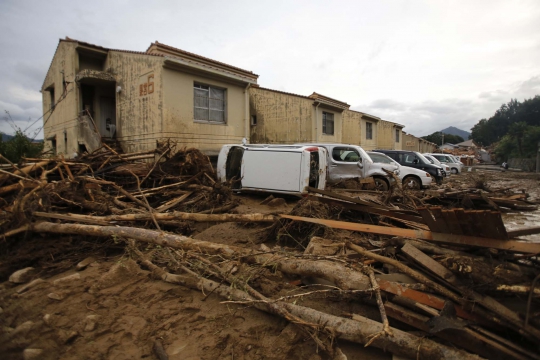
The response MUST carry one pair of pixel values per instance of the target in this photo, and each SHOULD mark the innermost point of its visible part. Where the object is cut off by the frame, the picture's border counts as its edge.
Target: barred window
(397, 135)
(209, 103)
(327, 123)
(369, 131)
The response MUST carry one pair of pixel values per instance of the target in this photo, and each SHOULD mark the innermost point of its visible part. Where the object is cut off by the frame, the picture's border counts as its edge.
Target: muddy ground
(114, 309)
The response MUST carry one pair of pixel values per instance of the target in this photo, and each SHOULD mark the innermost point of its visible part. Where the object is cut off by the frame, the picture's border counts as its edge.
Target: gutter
(246, 111)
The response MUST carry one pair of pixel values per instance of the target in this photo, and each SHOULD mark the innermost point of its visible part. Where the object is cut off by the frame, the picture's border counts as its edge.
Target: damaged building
(93, 94)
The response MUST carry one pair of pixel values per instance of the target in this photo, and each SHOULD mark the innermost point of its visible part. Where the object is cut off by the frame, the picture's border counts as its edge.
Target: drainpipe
(317, 122)
(246, 110)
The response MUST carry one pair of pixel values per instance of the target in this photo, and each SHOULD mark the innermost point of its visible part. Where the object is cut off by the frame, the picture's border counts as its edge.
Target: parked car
(351, 161)
(446, 168)
(415, 160)
(410, 177)
(286, 169)
(455, 167)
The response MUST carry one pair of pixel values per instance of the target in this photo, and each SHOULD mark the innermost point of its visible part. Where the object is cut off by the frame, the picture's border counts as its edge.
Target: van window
(314, 169)
(409, 158)
(345, 154)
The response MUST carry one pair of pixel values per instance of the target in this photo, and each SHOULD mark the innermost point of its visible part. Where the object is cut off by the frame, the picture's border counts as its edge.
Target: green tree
(436, 138)
(19, 146)
(517, 132)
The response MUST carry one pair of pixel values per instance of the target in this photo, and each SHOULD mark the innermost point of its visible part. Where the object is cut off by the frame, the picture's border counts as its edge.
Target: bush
(18, 147)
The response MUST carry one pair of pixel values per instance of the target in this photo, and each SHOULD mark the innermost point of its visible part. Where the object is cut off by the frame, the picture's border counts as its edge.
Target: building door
(107, 123)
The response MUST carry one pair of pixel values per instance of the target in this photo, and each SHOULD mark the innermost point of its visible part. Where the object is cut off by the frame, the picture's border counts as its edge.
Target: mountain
(6, 137)
(455, 131)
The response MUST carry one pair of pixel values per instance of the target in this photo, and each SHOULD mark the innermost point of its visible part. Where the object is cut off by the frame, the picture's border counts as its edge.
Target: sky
(424, 64)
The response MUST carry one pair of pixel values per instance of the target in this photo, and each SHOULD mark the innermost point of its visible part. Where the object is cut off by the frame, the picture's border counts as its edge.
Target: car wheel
(381, 184)
(454, 171)
(411, 182)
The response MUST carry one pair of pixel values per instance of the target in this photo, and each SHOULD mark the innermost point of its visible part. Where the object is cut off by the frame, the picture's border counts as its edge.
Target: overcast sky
(424, 64)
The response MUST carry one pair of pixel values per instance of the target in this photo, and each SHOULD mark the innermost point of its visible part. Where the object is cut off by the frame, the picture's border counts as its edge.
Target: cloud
(426, 117)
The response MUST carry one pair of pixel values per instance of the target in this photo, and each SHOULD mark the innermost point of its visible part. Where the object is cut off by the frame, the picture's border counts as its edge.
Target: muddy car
(351, 162)
(286, 169)
(415, 160)
(410, 177)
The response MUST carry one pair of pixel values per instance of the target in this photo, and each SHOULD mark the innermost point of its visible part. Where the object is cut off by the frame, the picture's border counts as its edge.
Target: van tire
(454, 171)
(412, 182)
(381, 184)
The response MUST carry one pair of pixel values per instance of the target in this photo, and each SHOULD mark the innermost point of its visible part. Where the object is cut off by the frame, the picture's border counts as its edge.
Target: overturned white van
(286, 169)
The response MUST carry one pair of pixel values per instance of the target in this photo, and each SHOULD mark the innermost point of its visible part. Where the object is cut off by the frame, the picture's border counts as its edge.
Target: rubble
(361, 266)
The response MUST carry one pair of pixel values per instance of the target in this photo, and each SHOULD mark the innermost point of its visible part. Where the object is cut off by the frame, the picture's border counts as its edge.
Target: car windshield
(380, 158)
(422, 158)
(430, 159)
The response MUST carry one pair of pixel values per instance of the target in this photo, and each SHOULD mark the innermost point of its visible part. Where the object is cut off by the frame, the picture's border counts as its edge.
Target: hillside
(455, 131)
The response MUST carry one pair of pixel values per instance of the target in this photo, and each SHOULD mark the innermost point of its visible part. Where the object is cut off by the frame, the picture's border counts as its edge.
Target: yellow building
(91, 92)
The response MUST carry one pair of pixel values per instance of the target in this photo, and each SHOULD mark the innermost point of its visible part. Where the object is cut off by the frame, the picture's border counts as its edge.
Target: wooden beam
(462, 240)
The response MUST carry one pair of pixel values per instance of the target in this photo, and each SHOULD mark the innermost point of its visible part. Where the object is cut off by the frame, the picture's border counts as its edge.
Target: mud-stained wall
(398, 141)
(386, 135)
(410, 142)
(178, 113)
(368, 144)
(338, 125)
(139, 103)
(352, 130)
(62, 121)
(426, 146)
(281, 118)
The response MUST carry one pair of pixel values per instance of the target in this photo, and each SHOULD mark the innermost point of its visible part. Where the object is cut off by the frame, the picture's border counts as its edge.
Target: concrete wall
(318, 124)
(281, 118)
(64, 117)
(352, 131)
(369, 144)
(386, 137)
(138, 116)
(178, 113)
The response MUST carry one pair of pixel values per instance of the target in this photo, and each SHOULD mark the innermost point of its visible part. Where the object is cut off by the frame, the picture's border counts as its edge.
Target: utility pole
(538, 159)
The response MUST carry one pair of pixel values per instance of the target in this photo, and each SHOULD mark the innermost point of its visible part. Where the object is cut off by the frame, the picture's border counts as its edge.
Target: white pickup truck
(286, 169)
(351, 161)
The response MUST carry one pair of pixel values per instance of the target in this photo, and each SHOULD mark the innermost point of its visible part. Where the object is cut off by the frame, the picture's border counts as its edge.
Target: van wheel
(410, 182)
(381, 184)
(454, 171)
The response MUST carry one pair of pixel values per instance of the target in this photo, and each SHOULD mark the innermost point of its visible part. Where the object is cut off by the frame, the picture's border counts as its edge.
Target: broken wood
(462, 240)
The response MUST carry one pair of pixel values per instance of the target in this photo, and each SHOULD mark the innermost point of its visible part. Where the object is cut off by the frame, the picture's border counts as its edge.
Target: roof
(328, 100)
(157, 48)
(280, 92)
(467, 143)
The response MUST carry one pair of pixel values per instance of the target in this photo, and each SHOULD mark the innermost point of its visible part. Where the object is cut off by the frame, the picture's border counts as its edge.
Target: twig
(387, 331)
(150, 210)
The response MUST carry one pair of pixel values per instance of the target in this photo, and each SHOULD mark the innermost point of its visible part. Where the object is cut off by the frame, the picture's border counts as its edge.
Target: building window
(327, 123)
(369, 131)
(397, 135)
(209, 103)
(253, 120)
(51, 93)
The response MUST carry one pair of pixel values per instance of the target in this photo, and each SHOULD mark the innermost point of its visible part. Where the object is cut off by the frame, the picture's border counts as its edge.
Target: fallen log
(462, 240)
(359, 330)
(176, 215)
(337, 273)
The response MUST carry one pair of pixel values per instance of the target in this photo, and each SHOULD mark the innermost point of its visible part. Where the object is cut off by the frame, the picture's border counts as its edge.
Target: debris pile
(446, 279)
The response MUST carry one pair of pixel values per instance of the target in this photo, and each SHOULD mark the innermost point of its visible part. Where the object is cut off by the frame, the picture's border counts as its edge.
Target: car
(351, 161)
(446, 168)
(285, 169)
(416, 160)
(410, 177)
(455, 167)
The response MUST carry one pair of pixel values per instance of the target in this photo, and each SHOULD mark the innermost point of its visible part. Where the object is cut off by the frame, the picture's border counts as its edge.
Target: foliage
(511, 147)
(436, 138)
(19, 146)
(494, 129)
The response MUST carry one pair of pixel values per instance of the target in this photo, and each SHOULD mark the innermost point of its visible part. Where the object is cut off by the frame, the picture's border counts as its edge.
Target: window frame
(341, 149)
(325, 122)
(397, 135)
(369, 131)
(198, 86)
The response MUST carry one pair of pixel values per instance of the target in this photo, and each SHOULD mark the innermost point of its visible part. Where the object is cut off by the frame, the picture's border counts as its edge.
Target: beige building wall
(410, 142)
(368, 144)
(321, 137)
(385, 135)
(352, 129)
(280, 117)
(62, 121)
(398, 141)
(178, 113)
(138, 113)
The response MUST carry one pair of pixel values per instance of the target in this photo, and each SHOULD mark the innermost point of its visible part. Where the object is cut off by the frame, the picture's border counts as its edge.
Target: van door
(272, 170)
(344, 164)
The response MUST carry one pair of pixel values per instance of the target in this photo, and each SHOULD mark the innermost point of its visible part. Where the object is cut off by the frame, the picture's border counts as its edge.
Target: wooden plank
(486, 301)
(463, 240)
(428, 218)
(453, 222)
(440, 221)
(466, 338)
(524, 231)
(464, 221)
(368, 209)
